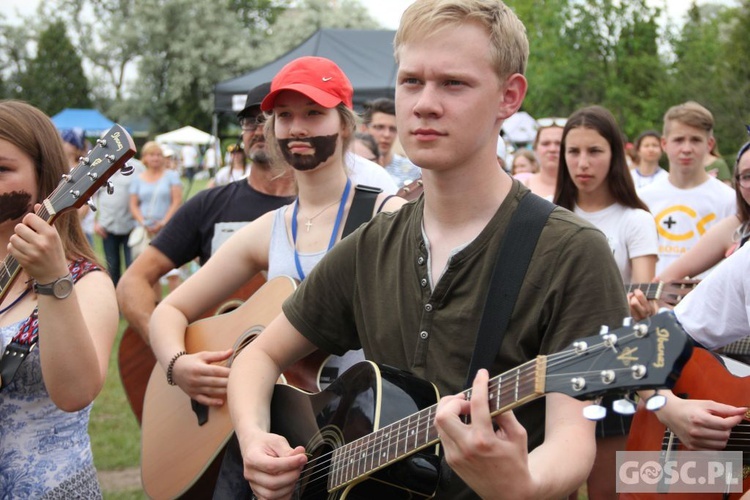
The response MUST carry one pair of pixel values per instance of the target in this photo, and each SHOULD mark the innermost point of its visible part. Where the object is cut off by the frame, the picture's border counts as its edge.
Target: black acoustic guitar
(370, 434)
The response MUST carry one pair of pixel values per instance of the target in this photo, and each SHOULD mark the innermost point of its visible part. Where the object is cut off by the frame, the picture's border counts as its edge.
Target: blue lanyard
(339, 216)
(16, 301)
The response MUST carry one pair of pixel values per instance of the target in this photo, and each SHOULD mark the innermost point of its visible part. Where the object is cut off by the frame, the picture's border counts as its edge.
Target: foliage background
(156, 61)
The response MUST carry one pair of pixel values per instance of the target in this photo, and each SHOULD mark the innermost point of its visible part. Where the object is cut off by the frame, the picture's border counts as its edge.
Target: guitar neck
(11, 268)
(652, 291)
(740, 347)
(393, 442)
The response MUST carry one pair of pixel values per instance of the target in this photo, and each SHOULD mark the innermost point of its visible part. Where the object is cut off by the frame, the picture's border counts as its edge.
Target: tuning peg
(127, 169)
(110, 187)
(84, 159)
(595, 411)
(101, 142)
(656, 402)
(623, 406)
(627, 322)
(91, 205)
(603, 330)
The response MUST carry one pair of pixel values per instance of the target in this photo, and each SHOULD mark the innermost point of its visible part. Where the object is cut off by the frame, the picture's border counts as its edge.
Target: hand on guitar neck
(645, 299)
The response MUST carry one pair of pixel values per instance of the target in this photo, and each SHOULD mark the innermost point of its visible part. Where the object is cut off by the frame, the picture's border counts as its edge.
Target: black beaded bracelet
(170, 368)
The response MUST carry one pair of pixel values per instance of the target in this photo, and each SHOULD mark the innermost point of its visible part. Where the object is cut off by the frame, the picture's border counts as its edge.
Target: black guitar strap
(513, 260)
(361, 209)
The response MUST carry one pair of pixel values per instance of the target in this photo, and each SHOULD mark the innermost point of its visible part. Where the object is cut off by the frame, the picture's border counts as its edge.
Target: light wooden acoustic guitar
(182, 442)
(135, 359)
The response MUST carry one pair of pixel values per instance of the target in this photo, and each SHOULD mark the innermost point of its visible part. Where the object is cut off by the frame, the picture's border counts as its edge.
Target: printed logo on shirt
(681, 223)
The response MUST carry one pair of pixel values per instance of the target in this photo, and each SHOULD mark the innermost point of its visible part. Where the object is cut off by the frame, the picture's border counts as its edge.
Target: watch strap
(49, 288)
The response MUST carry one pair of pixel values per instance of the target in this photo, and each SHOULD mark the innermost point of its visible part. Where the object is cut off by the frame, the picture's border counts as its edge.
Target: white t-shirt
(368, 173)
(717, 312)
(189, 156)
(630, 232)
(642, 181)
(227, 174)
(684, 215)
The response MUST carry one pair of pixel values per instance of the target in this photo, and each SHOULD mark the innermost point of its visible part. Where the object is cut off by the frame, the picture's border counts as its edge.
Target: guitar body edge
(175, 449)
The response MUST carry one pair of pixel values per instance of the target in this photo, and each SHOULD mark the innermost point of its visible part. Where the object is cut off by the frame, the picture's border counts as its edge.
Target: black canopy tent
(366, 56)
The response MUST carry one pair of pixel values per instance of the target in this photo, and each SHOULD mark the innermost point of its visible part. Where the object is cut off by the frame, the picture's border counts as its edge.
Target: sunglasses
(251, 123)
(552, 122)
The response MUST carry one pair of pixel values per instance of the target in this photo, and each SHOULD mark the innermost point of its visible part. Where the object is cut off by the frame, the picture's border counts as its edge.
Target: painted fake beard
(324, 147)
(13, 205)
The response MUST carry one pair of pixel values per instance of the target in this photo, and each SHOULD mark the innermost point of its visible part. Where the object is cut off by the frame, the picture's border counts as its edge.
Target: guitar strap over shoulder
(513, 260)
(362, 205)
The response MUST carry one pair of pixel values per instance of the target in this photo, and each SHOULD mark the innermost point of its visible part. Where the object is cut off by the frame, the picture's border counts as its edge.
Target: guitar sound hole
(228, 307)
(313, 483)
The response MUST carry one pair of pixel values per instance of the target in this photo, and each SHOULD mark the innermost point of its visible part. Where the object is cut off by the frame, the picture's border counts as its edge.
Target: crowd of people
(310, 192)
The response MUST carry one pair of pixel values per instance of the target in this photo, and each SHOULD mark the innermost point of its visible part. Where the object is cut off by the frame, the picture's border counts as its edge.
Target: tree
(594, 52)
(54, 79)
(737, 54)
(299, 22)
(15, 41)
(707, 71)
(189, 45)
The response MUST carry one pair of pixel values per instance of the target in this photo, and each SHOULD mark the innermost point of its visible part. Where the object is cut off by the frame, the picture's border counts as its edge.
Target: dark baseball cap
(254, 98)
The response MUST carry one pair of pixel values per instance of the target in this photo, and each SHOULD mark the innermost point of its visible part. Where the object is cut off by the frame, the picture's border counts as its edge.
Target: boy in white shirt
(689, 201)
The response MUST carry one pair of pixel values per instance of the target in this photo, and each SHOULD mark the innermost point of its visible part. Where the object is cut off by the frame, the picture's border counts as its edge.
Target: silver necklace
(309, 224)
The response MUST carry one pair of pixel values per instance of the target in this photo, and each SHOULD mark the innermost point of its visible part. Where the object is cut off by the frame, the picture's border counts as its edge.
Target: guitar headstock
(109, 154)
(649, 354)
(672, 292)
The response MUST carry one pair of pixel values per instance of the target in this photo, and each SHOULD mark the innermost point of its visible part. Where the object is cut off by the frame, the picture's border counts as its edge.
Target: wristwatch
(60, 288)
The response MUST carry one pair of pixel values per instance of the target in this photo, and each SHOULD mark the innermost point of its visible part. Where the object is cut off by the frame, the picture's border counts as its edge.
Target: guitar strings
(354, 447)
(364, 447)
(739, 436)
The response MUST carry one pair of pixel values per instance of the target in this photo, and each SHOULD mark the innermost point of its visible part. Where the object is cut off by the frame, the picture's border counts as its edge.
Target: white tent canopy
(186, 135)
(520, 127)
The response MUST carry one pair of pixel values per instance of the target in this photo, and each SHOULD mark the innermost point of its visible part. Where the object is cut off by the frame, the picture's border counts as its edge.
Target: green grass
(115, 435)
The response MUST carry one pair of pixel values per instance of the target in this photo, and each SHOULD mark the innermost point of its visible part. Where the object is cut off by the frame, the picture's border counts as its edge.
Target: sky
(387, 12)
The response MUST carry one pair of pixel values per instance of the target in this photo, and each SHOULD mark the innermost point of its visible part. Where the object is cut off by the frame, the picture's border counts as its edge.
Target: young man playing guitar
(405, 287)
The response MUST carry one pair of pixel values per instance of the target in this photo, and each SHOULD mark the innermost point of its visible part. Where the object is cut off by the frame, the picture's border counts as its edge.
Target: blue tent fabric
(91, 121)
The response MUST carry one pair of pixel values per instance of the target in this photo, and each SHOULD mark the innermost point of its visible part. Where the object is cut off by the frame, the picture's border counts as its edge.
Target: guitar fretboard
(407, 436)
(11, 268)
(652, 291)
(740, 347)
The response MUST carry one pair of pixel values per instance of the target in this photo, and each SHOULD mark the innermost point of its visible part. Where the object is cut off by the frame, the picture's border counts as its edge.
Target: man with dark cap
(207, 219)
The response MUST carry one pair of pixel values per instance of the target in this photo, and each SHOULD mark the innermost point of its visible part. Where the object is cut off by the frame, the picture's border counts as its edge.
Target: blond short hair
(509, 47)
(691, 114)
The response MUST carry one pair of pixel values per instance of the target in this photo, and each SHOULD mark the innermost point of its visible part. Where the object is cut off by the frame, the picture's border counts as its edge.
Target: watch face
(62, 288)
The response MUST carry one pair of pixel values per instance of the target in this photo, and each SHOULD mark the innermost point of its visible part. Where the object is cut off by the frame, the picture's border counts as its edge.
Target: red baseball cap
(315, 77)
